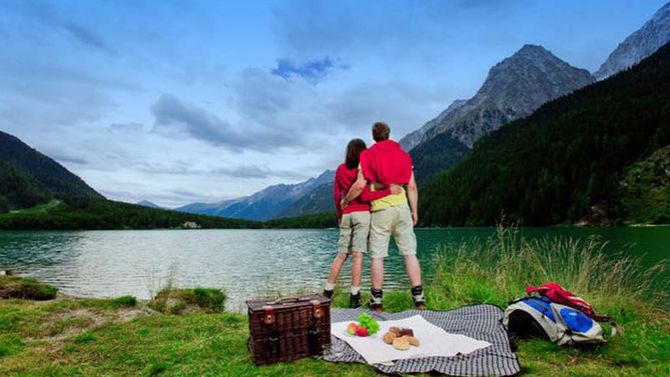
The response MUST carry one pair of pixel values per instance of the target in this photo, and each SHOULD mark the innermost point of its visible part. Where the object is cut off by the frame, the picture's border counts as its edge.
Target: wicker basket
(287, 329)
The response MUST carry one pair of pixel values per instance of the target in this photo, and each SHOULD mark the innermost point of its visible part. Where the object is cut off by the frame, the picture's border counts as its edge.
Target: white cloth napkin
(434, 341)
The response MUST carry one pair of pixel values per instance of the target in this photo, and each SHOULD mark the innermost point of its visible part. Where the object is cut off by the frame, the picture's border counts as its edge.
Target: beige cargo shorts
(354, 231)
(393, 221)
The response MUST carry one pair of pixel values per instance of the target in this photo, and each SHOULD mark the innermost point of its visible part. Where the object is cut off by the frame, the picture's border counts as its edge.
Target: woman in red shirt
(354, 220)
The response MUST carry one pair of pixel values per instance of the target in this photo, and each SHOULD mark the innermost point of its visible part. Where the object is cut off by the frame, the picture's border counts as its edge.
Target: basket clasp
(269, 316)
(317, 311)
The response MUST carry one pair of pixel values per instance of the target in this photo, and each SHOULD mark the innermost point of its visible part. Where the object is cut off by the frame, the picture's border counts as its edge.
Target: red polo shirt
(344, 179)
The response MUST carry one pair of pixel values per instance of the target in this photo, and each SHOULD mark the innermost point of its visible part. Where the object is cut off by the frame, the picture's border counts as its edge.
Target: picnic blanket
(481, 322)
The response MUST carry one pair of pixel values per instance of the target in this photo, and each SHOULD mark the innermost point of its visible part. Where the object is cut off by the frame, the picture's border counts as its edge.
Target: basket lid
(287, 302)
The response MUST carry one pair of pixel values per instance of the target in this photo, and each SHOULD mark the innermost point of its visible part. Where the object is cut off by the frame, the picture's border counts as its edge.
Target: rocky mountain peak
(514, 88)
(662, 14)
(533, 65)
(639, 45)
(532, 51)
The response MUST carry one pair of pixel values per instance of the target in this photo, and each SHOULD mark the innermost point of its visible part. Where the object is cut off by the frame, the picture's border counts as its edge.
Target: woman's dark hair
(354, 149)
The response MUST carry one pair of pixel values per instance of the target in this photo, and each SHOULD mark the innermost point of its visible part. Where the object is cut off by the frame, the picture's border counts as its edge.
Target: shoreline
(335, 228)
(125, 336)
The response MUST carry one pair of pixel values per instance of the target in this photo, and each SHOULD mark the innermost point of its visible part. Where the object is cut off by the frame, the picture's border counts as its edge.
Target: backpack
(560, 295)
(560, 324)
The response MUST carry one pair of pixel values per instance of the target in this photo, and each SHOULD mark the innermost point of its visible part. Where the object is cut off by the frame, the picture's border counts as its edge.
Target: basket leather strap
(313, 330)
(272, 352)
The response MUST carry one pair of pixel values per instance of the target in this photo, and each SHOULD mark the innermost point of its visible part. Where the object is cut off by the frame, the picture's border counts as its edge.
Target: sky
(200, 101)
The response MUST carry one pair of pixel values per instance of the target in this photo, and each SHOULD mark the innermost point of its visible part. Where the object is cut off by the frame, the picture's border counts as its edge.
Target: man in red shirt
(354, 221)
(386, 163)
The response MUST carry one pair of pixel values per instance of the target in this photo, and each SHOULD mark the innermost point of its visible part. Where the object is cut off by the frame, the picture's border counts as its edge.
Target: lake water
(246, 263)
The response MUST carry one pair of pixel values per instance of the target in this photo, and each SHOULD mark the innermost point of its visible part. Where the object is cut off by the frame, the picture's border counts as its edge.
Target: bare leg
(336, 267)
(356, 269)
(413, 269)
(377, 272)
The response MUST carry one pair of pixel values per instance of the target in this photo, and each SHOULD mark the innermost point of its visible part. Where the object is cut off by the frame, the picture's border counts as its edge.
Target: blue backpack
(560, 324)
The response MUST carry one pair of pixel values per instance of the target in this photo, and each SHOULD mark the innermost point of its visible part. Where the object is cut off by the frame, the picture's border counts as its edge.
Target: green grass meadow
(122, 337)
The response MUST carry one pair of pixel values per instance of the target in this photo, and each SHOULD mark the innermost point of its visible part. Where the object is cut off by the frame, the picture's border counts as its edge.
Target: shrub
(179, 300)
(209, 298)
(124, 301)
(25, 288)
(86, 337)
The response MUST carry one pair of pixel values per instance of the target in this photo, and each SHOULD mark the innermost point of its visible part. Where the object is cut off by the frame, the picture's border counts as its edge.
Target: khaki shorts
(354, 231)
(393, 221)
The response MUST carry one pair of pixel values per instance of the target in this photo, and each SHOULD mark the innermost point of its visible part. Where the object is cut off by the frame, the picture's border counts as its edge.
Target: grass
(54, 338)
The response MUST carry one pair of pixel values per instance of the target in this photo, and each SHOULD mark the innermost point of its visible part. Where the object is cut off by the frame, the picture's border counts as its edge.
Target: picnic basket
(288, 328)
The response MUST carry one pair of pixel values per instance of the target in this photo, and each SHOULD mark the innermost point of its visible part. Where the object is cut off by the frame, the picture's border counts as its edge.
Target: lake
(246, 263)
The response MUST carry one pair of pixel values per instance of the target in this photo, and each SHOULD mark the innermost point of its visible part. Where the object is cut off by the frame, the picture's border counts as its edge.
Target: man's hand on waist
(396, 189)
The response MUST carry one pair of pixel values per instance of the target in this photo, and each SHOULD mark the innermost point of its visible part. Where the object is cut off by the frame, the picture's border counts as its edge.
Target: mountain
(513, 89)
(318, 200)
(45, 170)
(146, 203)
(640, 44)
(564, 162)
(268, 203)
(412, 139)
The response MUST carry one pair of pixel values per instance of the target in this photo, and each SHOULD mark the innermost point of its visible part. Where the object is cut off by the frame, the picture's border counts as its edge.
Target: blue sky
(184, 101)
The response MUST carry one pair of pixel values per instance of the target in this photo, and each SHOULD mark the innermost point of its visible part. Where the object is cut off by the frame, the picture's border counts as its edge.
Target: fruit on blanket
(365, 320)
(401, 344)
(351, 329)
(388, 337)
(362, 331)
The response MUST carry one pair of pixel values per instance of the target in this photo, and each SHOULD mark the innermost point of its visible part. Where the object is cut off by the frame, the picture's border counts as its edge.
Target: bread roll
(413, 340)
(401, 344)
(388, 337)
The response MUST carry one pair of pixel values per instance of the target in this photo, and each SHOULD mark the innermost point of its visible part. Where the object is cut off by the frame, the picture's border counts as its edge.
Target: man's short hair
(380, 131)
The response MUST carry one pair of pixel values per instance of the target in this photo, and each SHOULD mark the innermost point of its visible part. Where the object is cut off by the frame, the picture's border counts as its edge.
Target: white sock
(355, 290)
(329, 286)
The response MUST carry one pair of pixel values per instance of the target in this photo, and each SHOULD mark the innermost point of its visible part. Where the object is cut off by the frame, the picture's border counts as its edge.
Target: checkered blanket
(477, 321)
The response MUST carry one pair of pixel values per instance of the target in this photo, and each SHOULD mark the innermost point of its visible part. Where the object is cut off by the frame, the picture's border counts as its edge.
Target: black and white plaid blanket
(480, 322)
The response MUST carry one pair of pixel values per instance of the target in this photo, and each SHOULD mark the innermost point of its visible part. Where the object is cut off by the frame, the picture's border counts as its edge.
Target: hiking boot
(328, 293)
(375, 307)
(355, 300)
(419, 299)
(375, 303)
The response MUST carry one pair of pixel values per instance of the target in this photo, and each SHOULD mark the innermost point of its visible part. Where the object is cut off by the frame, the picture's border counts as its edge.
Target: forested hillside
(557, 164)
(37, 193)
(92, 213)
(645, 189)
(45, 170)
(315, 220)
(438, 153)
(20, 190)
